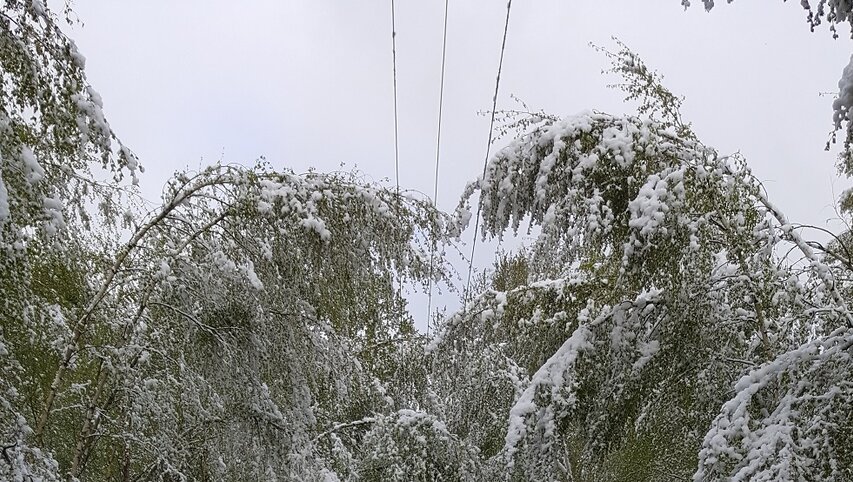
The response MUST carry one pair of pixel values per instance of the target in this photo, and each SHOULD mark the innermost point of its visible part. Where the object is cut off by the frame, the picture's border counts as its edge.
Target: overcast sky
(308, 83)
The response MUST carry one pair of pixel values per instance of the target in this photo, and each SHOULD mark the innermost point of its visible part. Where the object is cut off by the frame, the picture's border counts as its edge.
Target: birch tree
(667, 322)
(660, 290)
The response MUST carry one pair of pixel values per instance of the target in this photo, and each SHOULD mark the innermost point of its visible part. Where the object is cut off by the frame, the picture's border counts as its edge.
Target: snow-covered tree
(659, 291)
(53, 136)
(667, 322)
(249, 328)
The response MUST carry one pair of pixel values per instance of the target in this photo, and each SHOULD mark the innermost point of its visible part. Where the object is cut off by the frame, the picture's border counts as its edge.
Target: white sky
(308, 82)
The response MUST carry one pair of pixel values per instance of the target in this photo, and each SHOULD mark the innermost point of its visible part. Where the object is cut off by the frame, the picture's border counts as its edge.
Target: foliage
(658, 296)
(252, 326)
(248, 315)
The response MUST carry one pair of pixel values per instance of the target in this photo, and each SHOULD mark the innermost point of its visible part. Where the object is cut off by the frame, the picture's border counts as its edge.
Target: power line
(488, 147)
(437, 157)
(396, 122)
(396, 138)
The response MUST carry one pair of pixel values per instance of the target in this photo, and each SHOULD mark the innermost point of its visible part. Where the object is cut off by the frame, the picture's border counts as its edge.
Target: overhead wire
(396, 121)
(396, 137)
(488, 149)
(437, 158)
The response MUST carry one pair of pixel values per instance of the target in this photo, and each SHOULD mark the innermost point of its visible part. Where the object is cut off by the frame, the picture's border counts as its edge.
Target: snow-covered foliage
(53, 136)
(658, 291)
(658, 243)
(411, 445)
(281, 296)
(52, 129)
(833, 12)
(843, 121)
(234, 326)
(667, 323)
(247, 329)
